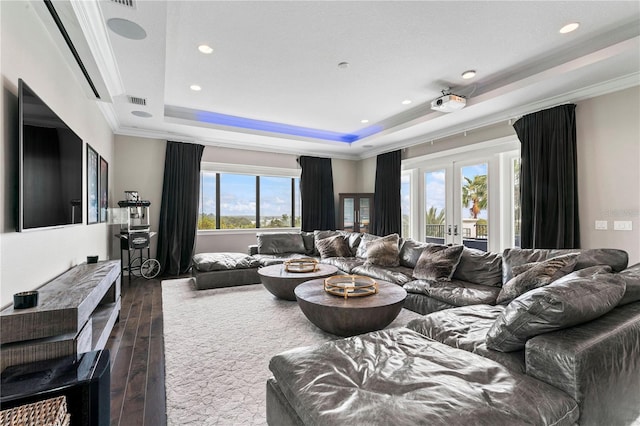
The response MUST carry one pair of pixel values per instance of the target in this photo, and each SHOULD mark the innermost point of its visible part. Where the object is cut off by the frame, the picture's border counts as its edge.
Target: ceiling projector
(448, 103)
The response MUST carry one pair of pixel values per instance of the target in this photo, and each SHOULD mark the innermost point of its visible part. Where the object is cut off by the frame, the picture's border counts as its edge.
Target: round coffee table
(282, 283)
(351, 316)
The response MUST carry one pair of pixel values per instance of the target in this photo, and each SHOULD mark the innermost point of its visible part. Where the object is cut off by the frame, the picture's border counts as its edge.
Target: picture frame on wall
(92, 185)
(104, 189)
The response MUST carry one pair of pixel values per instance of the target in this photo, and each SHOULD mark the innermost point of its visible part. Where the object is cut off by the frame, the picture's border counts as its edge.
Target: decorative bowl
(350, 286)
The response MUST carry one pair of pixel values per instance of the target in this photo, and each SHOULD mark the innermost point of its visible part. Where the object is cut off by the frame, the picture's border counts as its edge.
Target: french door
(457, 203)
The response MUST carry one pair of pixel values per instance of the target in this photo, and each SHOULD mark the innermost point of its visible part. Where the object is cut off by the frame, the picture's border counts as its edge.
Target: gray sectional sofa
(548, 337)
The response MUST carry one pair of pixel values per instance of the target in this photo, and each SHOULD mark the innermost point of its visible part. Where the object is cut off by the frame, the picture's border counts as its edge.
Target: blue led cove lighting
(285, 129)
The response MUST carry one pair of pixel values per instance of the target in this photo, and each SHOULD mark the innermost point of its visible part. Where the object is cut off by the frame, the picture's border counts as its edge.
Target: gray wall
(608, 134)
(29, 259)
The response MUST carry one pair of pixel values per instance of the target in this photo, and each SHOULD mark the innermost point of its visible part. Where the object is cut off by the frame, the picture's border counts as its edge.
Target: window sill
(204, 232)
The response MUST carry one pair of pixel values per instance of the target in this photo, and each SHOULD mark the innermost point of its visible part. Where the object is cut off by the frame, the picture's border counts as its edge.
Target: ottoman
(214, 270)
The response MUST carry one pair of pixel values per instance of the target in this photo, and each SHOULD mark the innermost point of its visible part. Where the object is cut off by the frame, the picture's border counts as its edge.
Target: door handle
(455, 230)
(449, 230)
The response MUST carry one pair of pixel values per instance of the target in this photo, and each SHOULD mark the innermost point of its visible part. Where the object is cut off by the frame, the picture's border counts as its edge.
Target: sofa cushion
(631, 277)
(480, 267)
(397, 275)
(353, 238)
(384, 251)
(361, 252)
(207, 262)
(573, 299)
(309, 242)
(398, 376)
(410, 251)
(437, 262)
(455, 292)
(335, 246)
(466, 328)
(536, 274)
(345, 264)
(617, 259)
(280, 242)
(274, 259)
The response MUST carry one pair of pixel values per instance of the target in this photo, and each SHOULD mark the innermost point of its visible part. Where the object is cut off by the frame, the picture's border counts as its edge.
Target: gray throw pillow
(361, 252)
(384, 251)
(437, 262)
(410, 251)
(336, 246)
(571, 300)
(538, 275)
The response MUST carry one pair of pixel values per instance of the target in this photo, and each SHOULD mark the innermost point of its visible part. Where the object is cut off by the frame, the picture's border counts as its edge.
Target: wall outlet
(601, 224)
(622, 225)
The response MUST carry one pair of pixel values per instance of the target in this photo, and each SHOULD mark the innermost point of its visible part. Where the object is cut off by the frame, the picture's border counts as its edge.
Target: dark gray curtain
(548, 179)
(316, 193)
(179, 209)
(387, 217)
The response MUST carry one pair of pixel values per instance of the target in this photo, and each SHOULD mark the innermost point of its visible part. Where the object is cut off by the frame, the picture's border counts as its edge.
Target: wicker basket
(49, 412)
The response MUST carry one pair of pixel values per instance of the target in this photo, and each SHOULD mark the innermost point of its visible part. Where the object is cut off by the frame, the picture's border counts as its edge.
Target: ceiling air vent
(126, 3)
(136, 101)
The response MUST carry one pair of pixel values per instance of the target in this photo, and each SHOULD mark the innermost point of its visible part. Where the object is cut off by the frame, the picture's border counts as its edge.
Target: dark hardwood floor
(137, 356)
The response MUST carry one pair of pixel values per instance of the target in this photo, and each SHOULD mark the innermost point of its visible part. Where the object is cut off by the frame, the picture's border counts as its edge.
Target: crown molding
(92, 24)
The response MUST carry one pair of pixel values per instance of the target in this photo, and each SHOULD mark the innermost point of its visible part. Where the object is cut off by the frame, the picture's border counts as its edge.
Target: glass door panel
(349, 210)
(473, 206)
(363, 215)
(435, 206)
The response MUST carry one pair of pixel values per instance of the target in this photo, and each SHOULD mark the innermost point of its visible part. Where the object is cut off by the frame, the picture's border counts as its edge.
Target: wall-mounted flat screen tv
(50, 166)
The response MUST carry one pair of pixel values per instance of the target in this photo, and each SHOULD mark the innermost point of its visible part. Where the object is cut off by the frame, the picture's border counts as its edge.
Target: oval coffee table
(351, 316)
(282, 283)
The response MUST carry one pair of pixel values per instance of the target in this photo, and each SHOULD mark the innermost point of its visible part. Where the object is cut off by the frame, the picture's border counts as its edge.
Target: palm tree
(434, 217)
(475, 192)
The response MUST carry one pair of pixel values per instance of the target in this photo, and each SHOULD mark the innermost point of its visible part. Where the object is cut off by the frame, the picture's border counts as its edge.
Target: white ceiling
(278, 62)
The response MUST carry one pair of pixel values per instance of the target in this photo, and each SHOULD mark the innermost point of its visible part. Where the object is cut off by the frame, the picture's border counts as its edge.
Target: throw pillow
(361, 252)
(538, 275)
(437, 262)
(336, 246)
(574, 299)
(384, 251)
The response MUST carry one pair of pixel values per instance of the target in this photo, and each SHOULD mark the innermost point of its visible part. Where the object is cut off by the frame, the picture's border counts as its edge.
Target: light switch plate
(601, 224)
(622, 225)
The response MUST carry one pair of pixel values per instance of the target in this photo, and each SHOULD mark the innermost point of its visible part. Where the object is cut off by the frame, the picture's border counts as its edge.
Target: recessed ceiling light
(365, 121)
(406, 102)
(195, 88)
(469, 74)
(142, 114)
(205, 49)
(569, 27)
(126, 28)
(343, 65)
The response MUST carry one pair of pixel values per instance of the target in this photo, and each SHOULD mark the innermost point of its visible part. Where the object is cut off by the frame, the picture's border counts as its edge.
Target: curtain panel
(548, 179)
(316, 193)
(179, 209)
(387, 215)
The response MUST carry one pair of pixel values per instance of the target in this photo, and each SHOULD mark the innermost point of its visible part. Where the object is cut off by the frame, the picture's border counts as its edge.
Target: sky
(238, 195)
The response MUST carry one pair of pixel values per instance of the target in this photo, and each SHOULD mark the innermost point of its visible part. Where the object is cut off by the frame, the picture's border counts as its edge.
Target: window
(405, 203)
(247, 201)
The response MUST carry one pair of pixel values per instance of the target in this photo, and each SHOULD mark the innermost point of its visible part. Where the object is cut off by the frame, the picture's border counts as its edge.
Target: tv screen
(50, 166)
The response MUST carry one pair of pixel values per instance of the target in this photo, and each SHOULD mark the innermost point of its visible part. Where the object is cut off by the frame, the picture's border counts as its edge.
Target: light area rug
(218, 344)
